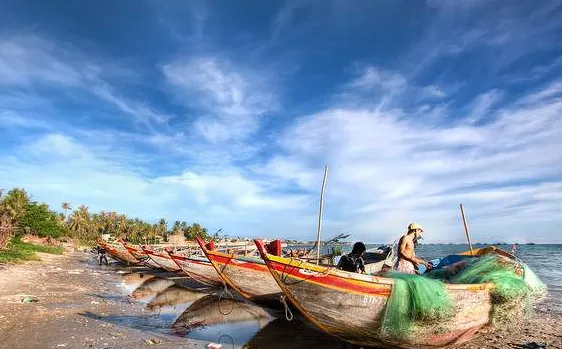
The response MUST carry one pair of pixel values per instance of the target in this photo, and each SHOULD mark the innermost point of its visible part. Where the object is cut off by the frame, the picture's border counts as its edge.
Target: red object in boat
(274, 247)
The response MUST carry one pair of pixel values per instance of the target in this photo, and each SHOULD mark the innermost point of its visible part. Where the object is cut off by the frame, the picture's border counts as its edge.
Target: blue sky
(225, 112)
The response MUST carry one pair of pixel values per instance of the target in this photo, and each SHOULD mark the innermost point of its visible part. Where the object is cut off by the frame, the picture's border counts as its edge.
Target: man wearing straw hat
(407, 260)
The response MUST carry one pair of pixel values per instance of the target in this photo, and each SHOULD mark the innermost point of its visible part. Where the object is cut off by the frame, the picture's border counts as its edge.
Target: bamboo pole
(466, 230)
(320, 215)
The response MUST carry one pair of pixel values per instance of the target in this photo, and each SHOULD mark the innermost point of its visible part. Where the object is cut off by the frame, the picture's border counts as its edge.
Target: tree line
(20, 215)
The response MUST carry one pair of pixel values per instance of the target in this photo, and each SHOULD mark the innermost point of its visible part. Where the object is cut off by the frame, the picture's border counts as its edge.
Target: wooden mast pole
(466, 230)
(320, 215)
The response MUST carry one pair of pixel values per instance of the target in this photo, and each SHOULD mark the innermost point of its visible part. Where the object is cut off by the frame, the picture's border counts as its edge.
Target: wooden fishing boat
(248, 275)
(139, 254)
(197, 267)
(161, 258)
(350, 305)
(118, 252)
(479, 252)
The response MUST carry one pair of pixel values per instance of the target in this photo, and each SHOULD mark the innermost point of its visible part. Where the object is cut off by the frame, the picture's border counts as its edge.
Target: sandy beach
(70, 294)
(75, 300)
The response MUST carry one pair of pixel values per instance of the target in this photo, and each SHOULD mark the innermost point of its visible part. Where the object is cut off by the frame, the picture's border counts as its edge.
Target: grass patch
(19, 251)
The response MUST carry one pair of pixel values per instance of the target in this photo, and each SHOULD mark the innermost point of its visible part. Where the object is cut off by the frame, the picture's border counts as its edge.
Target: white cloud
(434, 91)
(387, 169)
(139, 110)
(373, 77)
(232, 190)
(57, 167)
(9, 118)
(482, 105)
(27, 61)
(232, 101)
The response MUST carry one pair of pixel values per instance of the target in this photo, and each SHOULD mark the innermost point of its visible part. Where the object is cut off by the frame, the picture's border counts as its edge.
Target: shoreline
(76, 297)
(68, 292)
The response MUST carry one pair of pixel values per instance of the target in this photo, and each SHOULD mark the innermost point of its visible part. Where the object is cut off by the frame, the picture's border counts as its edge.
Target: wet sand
(71, 296)
(82, 305)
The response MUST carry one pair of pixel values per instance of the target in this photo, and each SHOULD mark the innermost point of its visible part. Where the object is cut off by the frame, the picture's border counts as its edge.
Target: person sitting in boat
(407, 261)
(353, 261)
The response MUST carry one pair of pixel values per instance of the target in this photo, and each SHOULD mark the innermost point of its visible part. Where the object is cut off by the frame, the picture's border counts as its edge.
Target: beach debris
(152, 341)
(29, 299)
(214, 346)
(61, 345)
(94, 302)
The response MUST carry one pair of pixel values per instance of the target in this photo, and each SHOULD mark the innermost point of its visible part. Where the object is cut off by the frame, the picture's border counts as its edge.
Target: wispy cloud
(482, 105)
(231, 101)
(28, 59)
(87, 173)
(409, 169)
(229, 122)
(33, 62)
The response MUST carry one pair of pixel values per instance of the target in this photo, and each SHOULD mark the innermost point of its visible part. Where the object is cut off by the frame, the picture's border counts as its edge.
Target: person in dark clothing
(102, 255)
(353, 261)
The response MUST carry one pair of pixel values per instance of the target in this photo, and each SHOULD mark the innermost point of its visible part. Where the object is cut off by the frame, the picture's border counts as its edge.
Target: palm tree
(66, 206)
(15, 203)
(162, 228)
(122, 225)
(81, 223)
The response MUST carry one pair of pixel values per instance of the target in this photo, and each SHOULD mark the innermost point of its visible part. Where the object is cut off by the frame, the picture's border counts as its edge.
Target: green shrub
(39, 220)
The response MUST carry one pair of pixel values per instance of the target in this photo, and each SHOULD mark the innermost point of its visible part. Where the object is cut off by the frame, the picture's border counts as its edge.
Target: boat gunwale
(151, 253)
(192, 274)
(116, 254)
(219, 267)
(372, 279)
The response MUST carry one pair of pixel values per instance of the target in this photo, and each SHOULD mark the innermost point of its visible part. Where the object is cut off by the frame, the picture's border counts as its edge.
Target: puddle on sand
(172, 309)
(176, 310)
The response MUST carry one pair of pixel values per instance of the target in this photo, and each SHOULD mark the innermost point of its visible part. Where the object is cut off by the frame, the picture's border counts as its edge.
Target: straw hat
(414, 226)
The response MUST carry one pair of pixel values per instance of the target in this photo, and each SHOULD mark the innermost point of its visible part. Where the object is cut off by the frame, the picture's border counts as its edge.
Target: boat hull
(118, 252)
(162, 259)
(350, 305)
(135, 252)
(249, 276)
(198, 268)
(140, 255)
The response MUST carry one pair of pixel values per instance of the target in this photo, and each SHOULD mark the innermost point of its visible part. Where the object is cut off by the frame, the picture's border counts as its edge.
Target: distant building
(176, 239)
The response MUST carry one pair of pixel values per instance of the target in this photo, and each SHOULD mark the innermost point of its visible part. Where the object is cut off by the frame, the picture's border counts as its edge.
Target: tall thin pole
(466, 231)
(320, 214)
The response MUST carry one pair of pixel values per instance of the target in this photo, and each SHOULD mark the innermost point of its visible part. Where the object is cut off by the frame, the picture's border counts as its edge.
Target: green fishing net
(417, 300)
(506, 275)
(414, 299)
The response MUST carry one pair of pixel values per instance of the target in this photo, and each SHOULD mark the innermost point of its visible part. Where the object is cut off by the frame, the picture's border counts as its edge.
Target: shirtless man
(407, 260)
